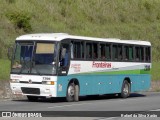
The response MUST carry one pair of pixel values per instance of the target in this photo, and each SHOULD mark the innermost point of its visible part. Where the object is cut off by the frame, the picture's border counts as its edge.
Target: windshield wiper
(33, 66)
(24, 65)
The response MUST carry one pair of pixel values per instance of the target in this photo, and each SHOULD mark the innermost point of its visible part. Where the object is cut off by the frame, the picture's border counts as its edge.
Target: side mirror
(10, 53)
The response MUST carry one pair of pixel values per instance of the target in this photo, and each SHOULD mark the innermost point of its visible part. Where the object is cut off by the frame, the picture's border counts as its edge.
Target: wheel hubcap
(125, 90)
(71, 91)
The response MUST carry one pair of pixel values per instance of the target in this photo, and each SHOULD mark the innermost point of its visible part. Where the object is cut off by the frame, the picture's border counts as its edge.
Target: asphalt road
(146, 101)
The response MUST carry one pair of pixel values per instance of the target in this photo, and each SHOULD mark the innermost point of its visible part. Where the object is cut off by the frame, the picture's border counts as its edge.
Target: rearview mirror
(10, 53)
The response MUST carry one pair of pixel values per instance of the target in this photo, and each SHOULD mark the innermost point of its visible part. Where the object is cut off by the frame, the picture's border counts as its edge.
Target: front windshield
(34, 58)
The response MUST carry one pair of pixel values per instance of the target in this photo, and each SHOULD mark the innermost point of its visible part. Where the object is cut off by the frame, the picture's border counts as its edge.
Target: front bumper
(34, 89)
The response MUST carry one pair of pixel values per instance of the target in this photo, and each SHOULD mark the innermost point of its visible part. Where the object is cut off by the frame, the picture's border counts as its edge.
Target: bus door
(64, 59)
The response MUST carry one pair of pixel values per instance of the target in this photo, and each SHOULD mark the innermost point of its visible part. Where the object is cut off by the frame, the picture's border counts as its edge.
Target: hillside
(124, 19)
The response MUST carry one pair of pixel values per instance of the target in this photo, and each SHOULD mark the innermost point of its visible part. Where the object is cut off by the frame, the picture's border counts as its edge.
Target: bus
(61, 65)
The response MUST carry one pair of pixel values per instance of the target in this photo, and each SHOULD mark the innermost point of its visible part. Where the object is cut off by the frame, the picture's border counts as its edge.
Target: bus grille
(30, 90)
(31, 83)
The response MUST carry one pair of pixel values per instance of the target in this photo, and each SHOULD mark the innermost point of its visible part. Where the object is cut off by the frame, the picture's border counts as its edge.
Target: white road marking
(69, 105)
(107, 118)
(155, 110)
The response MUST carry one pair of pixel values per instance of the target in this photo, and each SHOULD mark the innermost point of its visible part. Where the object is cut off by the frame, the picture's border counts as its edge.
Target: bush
(21, 20)
(10, 1)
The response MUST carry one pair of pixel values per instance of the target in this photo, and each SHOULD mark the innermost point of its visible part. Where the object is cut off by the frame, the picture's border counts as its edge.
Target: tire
(32, 98)
(76, 95)
(72, 93)
(125, 90)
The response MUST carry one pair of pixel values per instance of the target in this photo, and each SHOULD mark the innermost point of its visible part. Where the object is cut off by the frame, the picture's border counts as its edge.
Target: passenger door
(64, 59)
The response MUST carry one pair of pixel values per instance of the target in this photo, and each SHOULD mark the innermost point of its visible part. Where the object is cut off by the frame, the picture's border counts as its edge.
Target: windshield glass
(34, 58)
(22, 57)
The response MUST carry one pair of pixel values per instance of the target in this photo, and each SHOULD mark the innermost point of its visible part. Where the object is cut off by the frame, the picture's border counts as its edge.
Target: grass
(4, 69)
(155, 71)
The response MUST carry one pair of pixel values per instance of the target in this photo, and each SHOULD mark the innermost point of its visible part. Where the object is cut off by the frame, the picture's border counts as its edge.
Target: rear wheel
(125, 90)
(32, 98)
(72, 93)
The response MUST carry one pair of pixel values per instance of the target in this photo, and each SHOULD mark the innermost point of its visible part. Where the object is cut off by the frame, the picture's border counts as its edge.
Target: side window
(120, 52)
(95, 50)
(131, 53)
(141, 53)
(115, 52)
(89, 50)
(137, 53)
(82, 50)
(147, 54)
(108, 52)
(126, 53)
(102, 51)
(78, 50)
(64, 55)
(105, 51)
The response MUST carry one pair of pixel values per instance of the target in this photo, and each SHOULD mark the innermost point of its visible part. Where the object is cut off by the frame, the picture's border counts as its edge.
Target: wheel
(125, 91)
(72, 93)
(32, 98)
(76, 95)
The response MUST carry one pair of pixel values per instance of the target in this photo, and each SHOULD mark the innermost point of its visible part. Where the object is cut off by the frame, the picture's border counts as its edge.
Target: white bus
(63, 65)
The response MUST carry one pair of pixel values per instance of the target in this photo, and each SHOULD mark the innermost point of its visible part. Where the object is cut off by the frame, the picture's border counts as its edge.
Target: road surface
(145, 101)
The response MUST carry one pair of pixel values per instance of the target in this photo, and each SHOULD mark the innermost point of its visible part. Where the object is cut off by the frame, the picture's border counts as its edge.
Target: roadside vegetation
(4, 69)
(124, 19)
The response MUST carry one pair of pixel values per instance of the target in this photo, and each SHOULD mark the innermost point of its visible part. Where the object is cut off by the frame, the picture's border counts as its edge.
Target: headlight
(48, 82)
(14, 81)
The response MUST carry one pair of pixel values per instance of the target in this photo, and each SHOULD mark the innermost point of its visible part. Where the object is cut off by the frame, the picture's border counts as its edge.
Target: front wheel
(72, 93)
(125, 90)
(76, 95)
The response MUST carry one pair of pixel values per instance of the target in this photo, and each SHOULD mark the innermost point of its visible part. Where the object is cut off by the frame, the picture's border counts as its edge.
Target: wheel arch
(128, 80)
(75, 81)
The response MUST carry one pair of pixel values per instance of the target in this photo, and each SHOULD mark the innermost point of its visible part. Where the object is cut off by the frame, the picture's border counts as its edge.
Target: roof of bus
(61, 36)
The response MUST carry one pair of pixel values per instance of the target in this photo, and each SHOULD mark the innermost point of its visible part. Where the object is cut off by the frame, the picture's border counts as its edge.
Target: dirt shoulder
(155, 86)
(5, 91)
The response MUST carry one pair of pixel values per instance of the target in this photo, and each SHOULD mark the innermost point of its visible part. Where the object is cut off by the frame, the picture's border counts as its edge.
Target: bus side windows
(114, 52)
(108, 51)
(102, 52)
(117, 52)
(125, 57)
(142, 54)
(64, 56)
(120, 52)
(77, 50)
(147, 54)
(95, 50)
(89, 50)
(128, 53)
(139, 54)
(105, 51)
